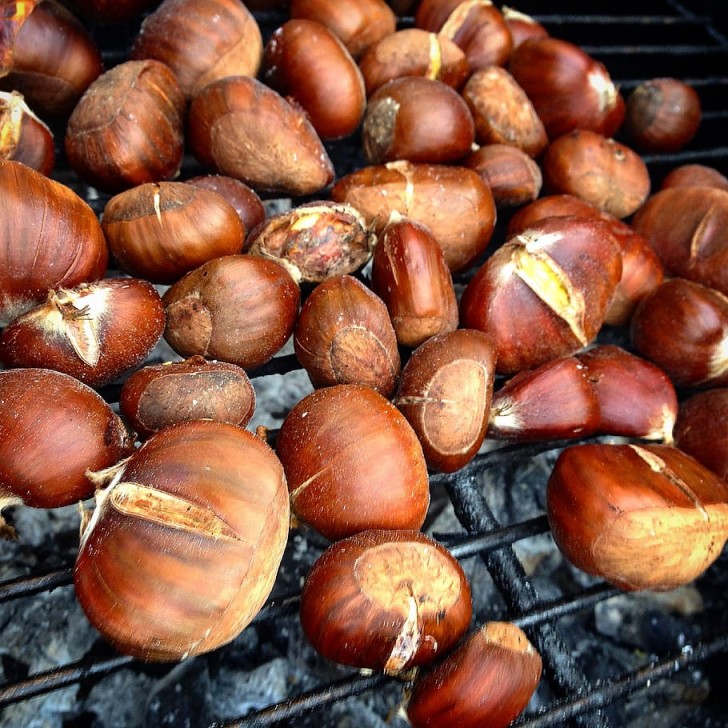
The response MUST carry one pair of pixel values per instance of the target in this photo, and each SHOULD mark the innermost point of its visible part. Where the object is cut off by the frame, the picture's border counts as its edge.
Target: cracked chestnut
(23, 136)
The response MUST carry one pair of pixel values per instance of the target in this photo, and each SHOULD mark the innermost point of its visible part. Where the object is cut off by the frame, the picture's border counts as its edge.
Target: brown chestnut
(419, 119)
(413, 52)
(522, 26)
(639, 516)
(486, 680)
(162, 230)
(344, 336)
(95, 332)
(694, 175)
(201, 41)
(49, 237)
(454, 202)
(126, 129)
(410, 274)
(385, 600)
(445, 392)
(53, 429)
(23, 136)
(238, 308)
(352, 463)
(283, 151)
(662, 115)
(183, 545)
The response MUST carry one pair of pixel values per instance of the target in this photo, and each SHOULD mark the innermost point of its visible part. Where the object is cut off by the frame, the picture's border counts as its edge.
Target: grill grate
(636, 40)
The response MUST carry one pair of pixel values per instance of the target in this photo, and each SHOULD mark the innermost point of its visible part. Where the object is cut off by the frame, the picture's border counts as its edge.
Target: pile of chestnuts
(423, 332)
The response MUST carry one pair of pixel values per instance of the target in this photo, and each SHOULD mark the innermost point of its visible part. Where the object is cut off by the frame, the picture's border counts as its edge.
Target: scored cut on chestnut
(385, 600)
(184, 543)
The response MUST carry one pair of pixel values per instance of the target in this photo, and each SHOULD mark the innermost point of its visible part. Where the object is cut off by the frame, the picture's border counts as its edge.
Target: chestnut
(601, 171)
(162, 230)
(49, 237)
(238, 308)
(358, 23)
(53, 429)
(445, 392)
(639, 516)
(184, 543)
(201, 41)
(486, 680)
(552, 205)
(95, 332)
(23, 136)
(522, 26)
(545, 292)
(385, 600)
(686, 227)
(454, 202)
(694, 175)
(568, 88)
(701, 429)
(344, 336)
(662, 115)
(410, 274)
(315, 241)
(502, 112)
(413, 52)
(682, 327)
(126, 129)
(352, 463)
(305, 61)
(284, 152)
(48, 55)
(419, 119)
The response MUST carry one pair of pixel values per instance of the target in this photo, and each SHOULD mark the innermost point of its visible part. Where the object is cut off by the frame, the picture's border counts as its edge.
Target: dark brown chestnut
(23, 136)
(352, 463)
(385, 600)
(522, 25)
(238, 308)
(126, 129)
(344, 336)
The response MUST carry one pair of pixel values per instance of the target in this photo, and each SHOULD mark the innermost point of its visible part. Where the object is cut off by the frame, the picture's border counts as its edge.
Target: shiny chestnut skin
(502, 111)
(126, 129)
(95, 332)
(183, 545)
(358, 23)
(413, 52)
(159, 395)
(410, 274)
(240, 112)
(201, 41)
(23, 136)
(694, 175)
(639, 516)
(344, 335)
(352, 463)
(419, 119)
(701, 429)
(682, 326)
(568, 88)
(50, 57)
(662, 115)
(522, 26)
(486, 680)
(306, 61)
(49, 237)
(452, 201)
(545, 292)
(445, 393)
(687, 228)
(239, 309)
(385, 600)
(162, 230)
(601, 171)
(53, 429)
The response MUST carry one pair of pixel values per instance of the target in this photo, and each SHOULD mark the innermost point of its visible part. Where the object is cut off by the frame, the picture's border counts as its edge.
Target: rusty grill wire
(636, 40)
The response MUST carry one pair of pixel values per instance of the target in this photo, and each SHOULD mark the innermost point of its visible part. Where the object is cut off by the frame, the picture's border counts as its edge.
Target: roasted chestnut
(522, 26)
(352, 463)
(23, 136)
(694, 175)
(385, 600)
(183, 545)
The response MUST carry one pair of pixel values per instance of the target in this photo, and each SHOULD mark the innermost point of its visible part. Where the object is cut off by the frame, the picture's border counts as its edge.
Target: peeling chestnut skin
(385, 600)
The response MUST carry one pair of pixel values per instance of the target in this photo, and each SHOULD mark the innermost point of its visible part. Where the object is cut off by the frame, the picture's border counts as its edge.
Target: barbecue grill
(610, 659)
